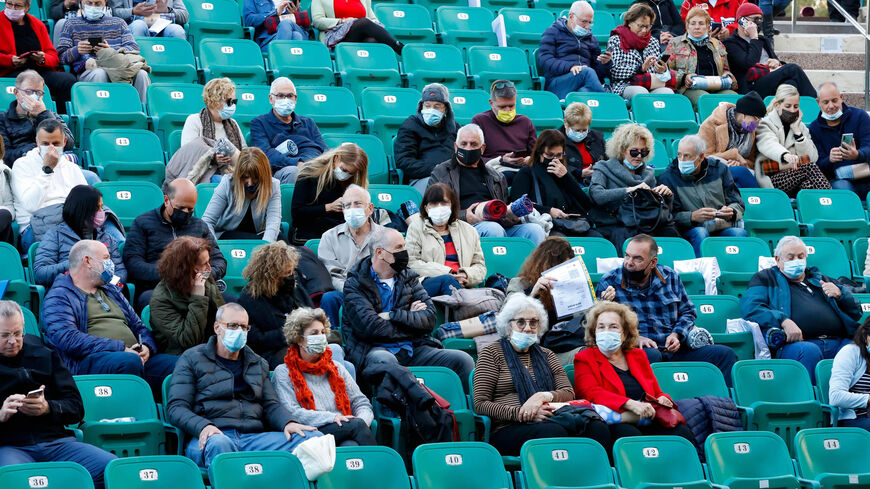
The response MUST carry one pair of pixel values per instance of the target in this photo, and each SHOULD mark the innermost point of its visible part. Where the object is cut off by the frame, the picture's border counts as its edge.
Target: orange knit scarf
(296, 366)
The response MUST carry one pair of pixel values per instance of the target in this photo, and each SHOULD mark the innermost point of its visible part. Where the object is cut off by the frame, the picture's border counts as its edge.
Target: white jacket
(6, 200)
(848, 368)
(772, 142)
(33, 189)
(426, 253)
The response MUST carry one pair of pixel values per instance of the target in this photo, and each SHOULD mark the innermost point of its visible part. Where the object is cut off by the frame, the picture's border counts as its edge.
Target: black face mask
(289, 282)
(401, 261)
(252, 189)
(788, 117)
(634, 275)
(467, 157)
(179, 218)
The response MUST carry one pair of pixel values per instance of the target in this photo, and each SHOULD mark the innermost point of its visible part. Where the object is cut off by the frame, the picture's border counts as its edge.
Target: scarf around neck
(208, 129)
(525, 385)
(737, 137)
(296, 366)
(629, 40)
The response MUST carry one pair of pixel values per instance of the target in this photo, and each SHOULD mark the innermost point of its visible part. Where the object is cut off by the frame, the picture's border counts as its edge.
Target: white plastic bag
(317, 456)
(741, 325)
(605, 265)
(708, 268)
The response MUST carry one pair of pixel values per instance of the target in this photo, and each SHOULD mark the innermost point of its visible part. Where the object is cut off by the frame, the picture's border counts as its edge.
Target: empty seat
(708, 102)
(489, 63)
(433, 63)
(332, 108)
(386, 108)
(685, 380)
(406, 23)
(768, 214)
(363, 65)
(54, 475)
(667, 116)
(465, 27)
(468, 103)
(237, 252)
(127, 154)
(373, 466)
(590, 249)
(669, 461)
(565, 462)
(835, 457)
(171, 59)
(602, 24)
(213, 18)
(153, 472)
(390, 197)
(829, 256)
(505, 255)
(459, 464)
(26, 293)
(238, 59)
(129, 199)
(104, 105)
(252, 102)
(713, 312)
(307, 63)
(608, 109)
(823, 380)
(524, 26)
(287, 205)
(379, 168)
(257, 470)
(835, 213)
(738, 261)
(169, 105)
(542, 107)
(750, 459)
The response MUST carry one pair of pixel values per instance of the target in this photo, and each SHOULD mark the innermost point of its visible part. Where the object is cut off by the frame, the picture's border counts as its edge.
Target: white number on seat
(158, 48)
(811, 250)
(429, 54)
(319, 97)
(659, 104)
(527, 101)
(102, 94)
(362, 53)
(176, 95)
(754, 200)
(227, 49)
(253, 469)
(247, 96)
(453, 459)
(825, 201)
(37, 481)
(494, 57)
(832, 444)
(681, 377)
(579, 250)
(398, 13)
(385, 197)
(765, 374)
(524, 18)
(865, 307)
(592, 103)
(390, 99)
(354, 464)
(237, 253)
(707, 309)
(123, 195)
(732, 250)
(499, 250)
(10, 88)
(560, 455)
(459, 100)
(741, 447)
(122, 141)
(462, 16)
(296, 51)
(148, 475)
(207, 6)
(650, 452)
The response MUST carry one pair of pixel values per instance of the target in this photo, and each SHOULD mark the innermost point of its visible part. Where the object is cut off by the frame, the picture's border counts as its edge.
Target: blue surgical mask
(576, 136)
(234, 339)
(355, 217)
(608, 341)
(93, 13)
(227, 111)
(432, 116)
(630, 166)
(108, 271)
(581, 31)
(686, 167)
(285, 106)
(697, 40)
(794, 268)
(829, 117)
(523, 340)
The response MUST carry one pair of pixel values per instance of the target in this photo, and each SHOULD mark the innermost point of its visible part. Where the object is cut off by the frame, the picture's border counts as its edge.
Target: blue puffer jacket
(65, 319)
(560, 50)
(706, 415)
(52, 255)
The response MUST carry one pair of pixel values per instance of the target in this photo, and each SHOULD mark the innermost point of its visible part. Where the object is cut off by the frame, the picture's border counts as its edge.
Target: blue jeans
(697, 234)
(287, 175)
(331, 303)
(743, 177)
(91, 177)
(440, 285)
(287, 31)
(767, 6)
(121, 362)
(338, 356)
(585, 81)
(532, 232)
(66, 449)
(721, 356)
(232, 441)
(140, 29)
(811, 352)
(862, 422)
(860, 187)
(456, 360)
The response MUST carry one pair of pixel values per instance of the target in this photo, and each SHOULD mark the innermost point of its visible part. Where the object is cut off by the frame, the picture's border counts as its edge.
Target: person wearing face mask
(426, 138)
(220, 396)
(614, 373)
(666, 315)
(443, 249)
(637, 67)
(247, 203)
(706, 199)
(317, 204)
(668, 24)
(803, 315)
(287, 137)
(786, 154)
(584, 146)
(93, 328)
(388, 317)
(84, 217)
(845, 165)
(510, 136)
(850, 381)
(730, 134)
(152, 232)
(185, 302)
(315, 387)
(569, 55)
(699, 60)
(516, 379)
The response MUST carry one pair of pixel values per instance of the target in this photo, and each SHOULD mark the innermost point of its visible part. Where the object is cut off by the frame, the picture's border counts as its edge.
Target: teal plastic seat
(823, 386)
(553, 5)
(153, 472)
(776, 396)
(379, 168)
(465, 27)
(253, 101)
(608, 109)
(31, 324)
(433, 63)
(128, 199)
(660, 159)
(542, 107)
(332, 108)
(287, 205)
(204, 192)
(127, 154)
(602, 24)
(238, 59)
(363, 65)
(833, 213)
(768, 214)
(145, 315)
(644, 462)
(54, 475)
(257, 470)
(447, 384)
(7, 95)
(406, 23)
(487, 64)
(171, 59)
(386, 108)
(685, 380)
(738, 261)
(859, 257)
(590, 249)
(169, 105)
(835, 457)
(708, 102)
(390, 197)
(103, 106)
(313, 244)
(669, 117)
(505, 255)
(459, 464)
(749, 460)
(237, 252)
(829, 256)
(307, 63)
(864, 303)
(565, 462)
(212, 19)
(112, 396)
(23, 291)
(524, 26)
(373, 466)
(713, 313)
(809, 108)
(468, 103)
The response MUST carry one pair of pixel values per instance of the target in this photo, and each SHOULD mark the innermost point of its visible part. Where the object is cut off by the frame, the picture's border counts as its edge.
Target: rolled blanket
(492, 210)
(522, 206)
(712, 83)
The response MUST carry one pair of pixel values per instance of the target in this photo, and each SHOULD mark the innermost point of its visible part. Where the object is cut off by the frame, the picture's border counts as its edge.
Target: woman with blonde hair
(319, 186)
(583, 145)
(247, 203)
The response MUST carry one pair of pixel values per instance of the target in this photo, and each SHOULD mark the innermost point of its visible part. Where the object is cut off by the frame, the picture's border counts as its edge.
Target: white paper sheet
(572, 290)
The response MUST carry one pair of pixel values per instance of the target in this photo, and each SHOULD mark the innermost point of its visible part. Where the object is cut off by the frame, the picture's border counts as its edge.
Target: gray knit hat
(436, 92)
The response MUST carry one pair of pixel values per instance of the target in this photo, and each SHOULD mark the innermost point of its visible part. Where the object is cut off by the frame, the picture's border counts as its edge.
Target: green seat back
(392, 196)
(387, 108)
(768, 214)
(307, 63)
(332, 108)
(864, 304)
(602, 23)
(459, 464)
(128, 199)
(823, 379)
(708, 102)
(10, 258)
(670, 249)
(373, 466)
(465, 27)
(553, 5)
(835, 213)
(524, 26)
(31, 324)
(656, 460)
(169, 104)
(313, 244)
(128, 154)
(7, 95)
(253, 101)
(735, 254)
(608, 109)
(257, 470)
(171, 59)
(542, 107)
(213, 19)
(363, 65)
(834, 453)
(505, 255)
(153, 472)
(379, 168)
(490, 63)
(53, 475)
(685, 380)
(105, 105)
(433, 63)
(204, 191)
(809, 108)
(589, 250)
(859, 254)
(829, 256)
(444, 382)
(145, 315)
(239, 59)
(660, 159)
(406, 23)
(713, 311)
(754, 455)
(468, 103)
(565, 462)
(667, 116)
(771, 381)
(237, 252)
(287, 203)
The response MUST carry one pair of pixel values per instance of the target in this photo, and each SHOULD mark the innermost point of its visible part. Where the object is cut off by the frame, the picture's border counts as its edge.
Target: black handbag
(644, 211)
(568, 227)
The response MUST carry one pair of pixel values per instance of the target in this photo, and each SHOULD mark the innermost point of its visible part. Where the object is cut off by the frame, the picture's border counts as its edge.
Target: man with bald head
(155, 229)
(845, 164)
(88, 320)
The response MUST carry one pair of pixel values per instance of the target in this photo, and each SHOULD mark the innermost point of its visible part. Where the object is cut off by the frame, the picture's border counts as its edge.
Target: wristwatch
(47, 170)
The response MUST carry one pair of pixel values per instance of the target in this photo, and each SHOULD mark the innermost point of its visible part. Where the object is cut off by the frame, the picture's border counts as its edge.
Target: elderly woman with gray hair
(516, 380)
(316, 389)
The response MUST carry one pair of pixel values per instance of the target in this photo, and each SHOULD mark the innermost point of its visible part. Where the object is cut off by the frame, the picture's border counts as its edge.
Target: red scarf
(296, 366)
(629, 40)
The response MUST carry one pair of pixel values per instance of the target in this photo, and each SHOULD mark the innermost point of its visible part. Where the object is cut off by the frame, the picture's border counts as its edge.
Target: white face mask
(93, 13)
(43, 149)
(341, 175)
(439, 215)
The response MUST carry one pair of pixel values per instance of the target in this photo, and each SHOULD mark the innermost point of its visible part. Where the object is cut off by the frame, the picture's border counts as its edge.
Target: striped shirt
(451, 258)
(494, 392)
(861, 387)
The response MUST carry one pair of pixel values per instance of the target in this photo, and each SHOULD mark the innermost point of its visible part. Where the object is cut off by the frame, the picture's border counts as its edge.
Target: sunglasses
(232, 101)
(502, 85)
(643, 153)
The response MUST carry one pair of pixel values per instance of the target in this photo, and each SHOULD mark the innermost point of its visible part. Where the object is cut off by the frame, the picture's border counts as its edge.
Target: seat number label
(494, 57)
(462, 16)
(741, 448)
(499, 250)
(832, 444)
(592, 103)
(458, 100)
(579, 250)
(176, 95)
(732, 250)
(41, 481)
(148, 475)
(10, 88)
(158, 48)
(825, 201)
(650, 452)
(354, 464)
(296, 51)
(707, 309)
(385, 197)
(123, 195)
(429, 55)
(853, 479)
(227, 49)
(659, 104)
(763, 484)
(398, 13)
(453, 459)
(319, 97)
(681, 377)
(253, 469)
(247, 96)
(102, 94)
(527, 101)
(811, 250)
(765, 374)
(122, 141)
(207, 6)
(390, 99)
(754, 200)
(238, 253)
(362, 53)
(865, 306)
(560, 455)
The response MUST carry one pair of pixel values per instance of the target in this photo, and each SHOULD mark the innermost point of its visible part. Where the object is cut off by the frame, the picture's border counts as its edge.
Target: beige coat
(323, 15)
(714, 130)
(426, 250)
(772, 142)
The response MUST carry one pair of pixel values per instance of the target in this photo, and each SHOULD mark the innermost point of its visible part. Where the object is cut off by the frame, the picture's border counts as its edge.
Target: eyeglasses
(502, 85)
(643, 153)
(553, 156)
(756, 20)
(27, 91)
(280, 96)
(17, 335)
(353, 205)
(232, 101)
(235, 326)
(15, 6)
(642, 27)
(522, 323)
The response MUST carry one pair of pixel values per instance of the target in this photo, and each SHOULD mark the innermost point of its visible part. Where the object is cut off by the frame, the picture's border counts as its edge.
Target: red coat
(725, 11)
(596, 380)
(7, 43)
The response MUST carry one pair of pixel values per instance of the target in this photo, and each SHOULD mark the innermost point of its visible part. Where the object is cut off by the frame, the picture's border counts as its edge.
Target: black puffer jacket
(361, 325)
(19, 132)
(419, 146)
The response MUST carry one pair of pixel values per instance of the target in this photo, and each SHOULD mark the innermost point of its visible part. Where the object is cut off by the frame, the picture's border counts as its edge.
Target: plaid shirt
(662, 305)
(772, 167)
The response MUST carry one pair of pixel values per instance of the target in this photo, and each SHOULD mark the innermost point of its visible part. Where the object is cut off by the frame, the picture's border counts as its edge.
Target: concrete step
(848, 81)
(854, 99)
(824, 61)
(813, 25)
(843, 43)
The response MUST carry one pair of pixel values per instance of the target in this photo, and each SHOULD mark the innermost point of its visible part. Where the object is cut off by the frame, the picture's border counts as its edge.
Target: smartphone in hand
(35, 393)
(847, 139)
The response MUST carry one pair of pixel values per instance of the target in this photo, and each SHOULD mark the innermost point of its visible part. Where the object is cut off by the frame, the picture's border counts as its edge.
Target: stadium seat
(524, 26)
(565, 462)
(468, 103)
(713, 312)
(332, 108)
(465, 27)
(835, 213)
(171, 59)
(54, 475)
(553, 5)
(432, 5)
(204, 192)
(252, 102)
(386, 108)
(835, 457)
(153, 472)
(127, 154)
(505, 255)
(307, 63)
(257, 470)
(613, 5)
(708, 102)
(750, 459)
(363, 65)
(237, 252)
(145, 316)
(447, 384)
(433, 63)
(674, 249)
(363, 467)
(608, 109)
(31, 325)
(685, 380)
(406, 23)
(26, 293)
(487, 64)
(7, 95)
(459, 464)
(390, 197)
(859, 256)
(658, 461)
(660, 159)
(106, 399)
(776, 396)
(590, 249)
(808, 105)
(738, 261)
(103, 106)
(823, 385)
(212, 19)
(239, 59)
(864, 303)
(287, 207)
(602, 24)
(667, 116)
(379, 168)
(542, 107)
(829, 256)
(129, 199)
(169, 105)
(768, 214)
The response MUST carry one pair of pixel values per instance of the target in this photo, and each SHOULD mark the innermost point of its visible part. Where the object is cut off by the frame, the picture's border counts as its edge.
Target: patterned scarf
(233, 135)
(629, 40)
(296, 366)
(737, 137)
